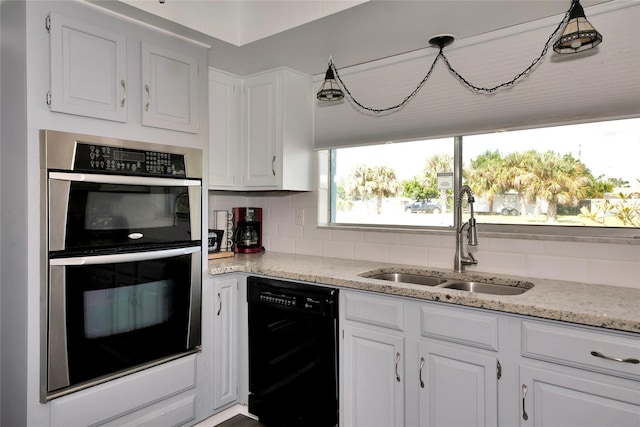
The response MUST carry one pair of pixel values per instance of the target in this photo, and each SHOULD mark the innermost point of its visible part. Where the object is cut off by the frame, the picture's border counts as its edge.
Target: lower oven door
(111, 315)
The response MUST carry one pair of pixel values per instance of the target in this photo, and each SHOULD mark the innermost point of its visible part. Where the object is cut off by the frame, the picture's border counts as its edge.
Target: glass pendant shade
(578, 35)
(330, 91)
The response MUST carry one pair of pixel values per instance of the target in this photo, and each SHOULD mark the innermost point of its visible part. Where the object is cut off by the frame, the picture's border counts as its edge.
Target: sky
(608, 148)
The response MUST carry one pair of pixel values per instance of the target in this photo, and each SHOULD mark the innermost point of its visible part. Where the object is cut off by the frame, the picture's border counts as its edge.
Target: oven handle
(128, 257)
(123, 179)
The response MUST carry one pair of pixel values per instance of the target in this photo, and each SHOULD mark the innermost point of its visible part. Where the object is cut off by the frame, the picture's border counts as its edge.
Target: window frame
(326, 211)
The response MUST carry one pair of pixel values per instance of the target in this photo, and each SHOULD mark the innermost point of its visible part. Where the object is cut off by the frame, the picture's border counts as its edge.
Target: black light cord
(464, 81)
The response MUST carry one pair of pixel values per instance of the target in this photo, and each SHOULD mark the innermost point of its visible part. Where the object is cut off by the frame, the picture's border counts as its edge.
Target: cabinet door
(224, 129)
(457, 387)
(169, 89)
(88, 70)
(372, 377)
(260, 148)
(556, 399)
(225, 330)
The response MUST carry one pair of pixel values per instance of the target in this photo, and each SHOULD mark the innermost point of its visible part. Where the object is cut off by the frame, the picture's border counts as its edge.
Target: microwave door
(93, 210)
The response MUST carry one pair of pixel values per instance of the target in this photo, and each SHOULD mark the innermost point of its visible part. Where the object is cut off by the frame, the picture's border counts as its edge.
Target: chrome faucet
(460, 259)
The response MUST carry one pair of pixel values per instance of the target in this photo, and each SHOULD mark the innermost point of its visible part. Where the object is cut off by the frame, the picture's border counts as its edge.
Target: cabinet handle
(421, 366)
(524, 409)
(273, 169)
(397, 363)
(146, 89)
(124, 93)
(220, 304)
(615, 359)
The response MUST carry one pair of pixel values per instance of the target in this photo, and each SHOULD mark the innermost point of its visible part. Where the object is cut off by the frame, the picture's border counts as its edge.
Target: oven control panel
(107, 159)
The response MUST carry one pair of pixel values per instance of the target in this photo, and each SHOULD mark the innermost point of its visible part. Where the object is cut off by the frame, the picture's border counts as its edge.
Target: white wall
(590, 262)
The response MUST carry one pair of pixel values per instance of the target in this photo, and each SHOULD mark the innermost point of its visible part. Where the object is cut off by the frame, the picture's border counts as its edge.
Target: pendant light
(579, 34)
(330, 91)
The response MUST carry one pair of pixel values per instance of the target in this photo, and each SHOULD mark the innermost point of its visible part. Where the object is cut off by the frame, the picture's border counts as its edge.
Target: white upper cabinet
(261, 119)
(110, 69)
(225, 97)
(169, 89)
(277, 150)
(88, 69)
(261, 132)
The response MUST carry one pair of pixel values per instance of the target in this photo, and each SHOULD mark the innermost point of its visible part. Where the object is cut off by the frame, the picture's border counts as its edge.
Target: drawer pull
(397, 363)
(421, 366)
(615, 359)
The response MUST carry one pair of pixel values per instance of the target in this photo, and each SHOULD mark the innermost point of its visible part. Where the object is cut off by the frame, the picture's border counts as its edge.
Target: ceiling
(367, 31)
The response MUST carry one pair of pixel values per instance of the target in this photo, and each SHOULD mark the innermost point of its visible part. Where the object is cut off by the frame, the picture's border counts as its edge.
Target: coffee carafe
(247, 230)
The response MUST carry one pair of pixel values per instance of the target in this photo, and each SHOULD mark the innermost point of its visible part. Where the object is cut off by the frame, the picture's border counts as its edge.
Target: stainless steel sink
(417, 279)
(485, 288)
(516, 288)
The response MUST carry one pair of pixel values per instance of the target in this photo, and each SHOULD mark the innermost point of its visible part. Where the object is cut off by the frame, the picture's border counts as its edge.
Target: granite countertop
(603, 306)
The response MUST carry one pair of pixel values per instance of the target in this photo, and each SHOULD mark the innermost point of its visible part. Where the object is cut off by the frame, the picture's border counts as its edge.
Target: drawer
(459, 325)
(378, 311)
(574, 346)
(104, 402)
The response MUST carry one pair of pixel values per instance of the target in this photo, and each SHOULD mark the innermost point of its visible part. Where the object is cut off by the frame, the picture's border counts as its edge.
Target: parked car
(423, 206)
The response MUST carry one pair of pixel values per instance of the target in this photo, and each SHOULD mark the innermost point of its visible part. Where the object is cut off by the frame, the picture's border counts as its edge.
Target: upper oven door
(93, 212)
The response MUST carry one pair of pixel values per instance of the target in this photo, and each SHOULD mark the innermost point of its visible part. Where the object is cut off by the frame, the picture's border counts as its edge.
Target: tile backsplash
(603, 263)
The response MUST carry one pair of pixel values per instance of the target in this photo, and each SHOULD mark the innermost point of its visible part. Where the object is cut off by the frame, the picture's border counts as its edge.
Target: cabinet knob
(397, 363)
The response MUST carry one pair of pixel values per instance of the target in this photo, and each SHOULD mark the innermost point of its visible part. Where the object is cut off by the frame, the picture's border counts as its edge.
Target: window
(581, 177)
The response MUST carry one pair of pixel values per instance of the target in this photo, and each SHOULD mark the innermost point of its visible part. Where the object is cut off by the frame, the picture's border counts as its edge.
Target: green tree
(416, 189)
(376, 181)
(559, 179)
(487, 176)
(598, 188)
(518, 175)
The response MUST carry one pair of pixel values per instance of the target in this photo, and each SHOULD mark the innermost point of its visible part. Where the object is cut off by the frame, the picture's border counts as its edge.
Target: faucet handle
(470, 260)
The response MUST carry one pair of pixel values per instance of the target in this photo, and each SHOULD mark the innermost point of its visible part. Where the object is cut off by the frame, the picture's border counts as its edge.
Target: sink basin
(452, 283)
(417, 279)
(485, 288)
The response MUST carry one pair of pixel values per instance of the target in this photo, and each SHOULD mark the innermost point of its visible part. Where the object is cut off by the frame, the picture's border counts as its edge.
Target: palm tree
(487, 176)
(385, 184)
(519, 175)
(559, 180)
(377, 181)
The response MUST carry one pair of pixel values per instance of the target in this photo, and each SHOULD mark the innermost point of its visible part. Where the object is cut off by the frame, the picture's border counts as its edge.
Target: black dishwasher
(293, 348)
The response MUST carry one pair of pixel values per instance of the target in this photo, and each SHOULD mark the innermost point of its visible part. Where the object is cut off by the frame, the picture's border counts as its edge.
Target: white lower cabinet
(552, 396)
(372, 378)
(394, 374)
(458, 387)
(225, 332)
(578, 376)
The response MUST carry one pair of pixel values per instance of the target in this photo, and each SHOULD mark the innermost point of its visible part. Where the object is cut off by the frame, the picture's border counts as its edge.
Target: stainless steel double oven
(122, 253)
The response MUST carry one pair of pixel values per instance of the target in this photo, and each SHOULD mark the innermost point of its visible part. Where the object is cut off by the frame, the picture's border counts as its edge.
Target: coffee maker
(247, 230)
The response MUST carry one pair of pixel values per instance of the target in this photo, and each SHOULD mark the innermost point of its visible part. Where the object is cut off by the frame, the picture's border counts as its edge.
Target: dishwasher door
(293, 348)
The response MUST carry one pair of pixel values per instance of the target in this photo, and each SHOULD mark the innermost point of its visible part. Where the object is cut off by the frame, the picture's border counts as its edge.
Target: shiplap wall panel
(597, 84)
